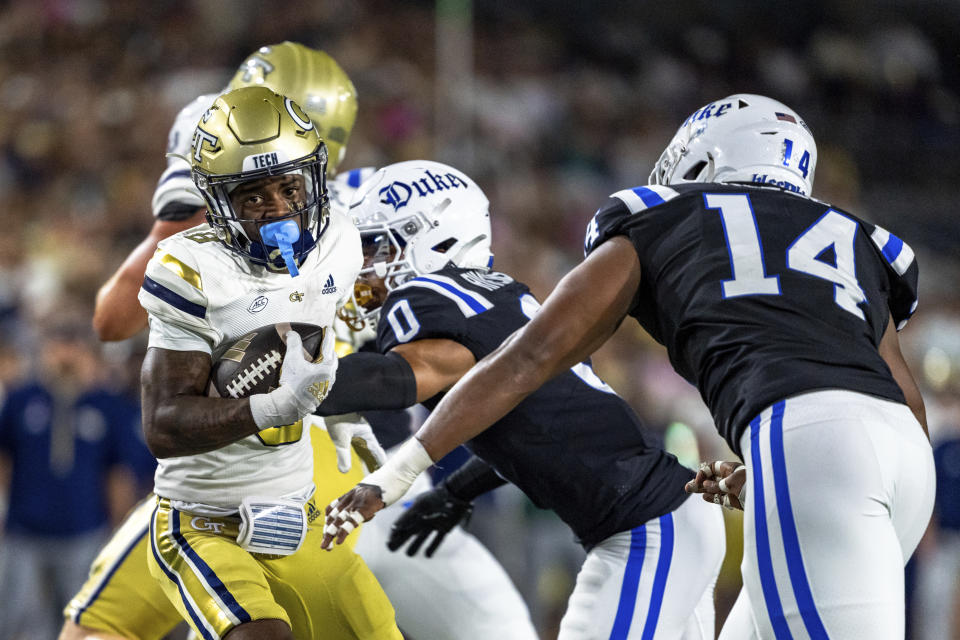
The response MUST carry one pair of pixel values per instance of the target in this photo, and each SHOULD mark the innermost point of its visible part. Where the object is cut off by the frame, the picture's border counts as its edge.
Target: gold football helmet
(315, 81)
(253, 136)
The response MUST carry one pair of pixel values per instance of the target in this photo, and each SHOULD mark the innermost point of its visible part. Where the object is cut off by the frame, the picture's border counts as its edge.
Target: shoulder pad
(175, 191)
(621, 205)
(640, 198)
(180, 138)
(469, 302)
(172, 288)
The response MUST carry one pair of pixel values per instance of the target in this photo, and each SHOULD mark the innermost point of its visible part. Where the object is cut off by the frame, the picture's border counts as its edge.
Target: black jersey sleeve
(609, 219)
(604, 225)
(415, 312)
(177, 211)
(902, 271)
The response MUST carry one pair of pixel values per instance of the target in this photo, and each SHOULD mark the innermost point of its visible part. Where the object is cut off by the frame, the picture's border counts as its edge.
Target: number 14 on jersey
(833, 230)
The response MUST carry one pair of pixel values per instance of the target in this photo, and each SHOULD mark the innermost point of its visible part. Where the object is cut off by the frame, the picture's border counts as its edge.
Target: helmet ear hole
(695, 170)
(443, 247)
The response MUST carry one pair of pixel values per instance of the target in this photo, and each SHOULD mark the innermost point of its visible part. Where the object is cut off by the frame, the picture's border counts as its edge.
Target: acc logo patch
(258, 304)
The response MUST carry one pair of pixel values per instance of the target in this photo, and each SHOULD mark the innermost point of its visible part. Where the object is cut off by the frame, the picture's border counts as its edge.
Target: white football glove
(351, 430)
(303, 384)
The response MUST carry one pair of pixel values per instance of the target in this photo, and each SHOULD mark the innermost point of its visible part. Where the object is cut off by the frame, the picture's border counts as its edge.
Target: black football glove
(436, 510)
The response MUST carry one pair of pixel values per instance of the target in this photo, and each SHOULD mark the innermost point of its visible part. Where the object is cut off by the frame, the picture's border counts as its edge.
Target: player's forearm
(369, 382)
(490, 390)
(179, 418)
(118, 314)
(580, 315)
(891, 354)
(473, 479)
(188, 425)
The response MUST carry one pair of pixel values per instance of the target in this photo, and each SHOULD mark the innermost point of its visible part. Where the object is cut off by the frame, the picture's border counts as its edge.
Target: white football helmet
(417, 217)
(742, 138)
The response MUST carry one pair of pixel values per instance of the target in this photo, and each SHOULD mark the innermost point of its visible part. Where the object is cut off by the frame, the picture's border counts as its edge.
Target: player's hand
(303, 384)
(437, 511)
(721, 482)
(350, 430)
(349, 511)
(384, 486)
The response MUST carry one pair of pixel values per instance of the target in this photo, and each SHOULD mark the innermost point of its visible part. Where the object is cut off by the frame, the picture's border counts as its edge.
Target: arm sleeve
(370, 381)
(474, 478)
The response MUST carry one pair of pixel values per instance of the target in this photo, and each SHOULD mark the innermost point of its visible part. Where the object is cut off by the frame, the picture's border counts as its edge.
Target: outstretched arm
(580, 315)
(118, 314)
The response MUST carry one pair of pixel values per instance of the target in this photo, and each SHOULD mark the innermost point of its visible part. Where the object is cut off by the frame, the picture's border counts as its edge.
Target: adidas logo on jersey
(329, 286)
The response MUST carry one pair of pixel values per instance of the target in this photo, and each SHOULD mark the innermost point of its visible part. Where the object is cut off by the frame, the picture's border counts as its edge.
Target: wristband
(472, 479)
(267, 414)
(371, 382)
(400, 471)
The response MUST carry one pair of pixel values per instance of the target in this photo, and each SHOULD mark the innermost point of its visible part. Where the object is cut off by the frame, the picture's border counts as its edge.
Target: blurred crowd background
(550, 107)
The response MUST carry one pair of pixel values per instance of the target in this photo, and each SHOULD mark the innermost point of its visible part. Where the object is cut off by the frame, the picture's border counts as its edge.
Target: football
(252, 363)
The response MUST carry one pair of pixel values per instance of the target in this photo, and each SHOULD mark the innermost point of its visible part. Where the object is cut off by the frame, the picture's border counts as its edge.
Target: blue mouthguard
(282, 234)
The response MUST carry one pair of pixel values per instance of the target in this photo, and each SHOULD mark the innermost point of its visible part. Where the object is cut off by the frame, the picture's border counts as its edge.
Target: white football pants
(461, 592)
(654, 582)
(840, 490)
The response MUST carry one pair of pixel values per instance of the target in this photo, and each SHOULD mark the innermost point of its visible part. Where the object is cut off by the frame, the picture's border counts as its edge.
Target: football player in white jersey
(120, 599)
(229, 466)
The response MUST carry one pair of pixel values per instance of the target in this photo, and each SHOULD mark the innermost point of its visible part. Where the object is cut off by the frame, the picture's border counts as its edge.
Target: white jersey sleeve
(176, 197)
(172, 294)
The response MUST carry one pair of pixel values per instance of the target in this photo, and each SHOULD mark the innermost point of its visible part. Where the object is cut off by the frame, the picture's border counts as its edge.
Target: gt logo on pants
(200, 523)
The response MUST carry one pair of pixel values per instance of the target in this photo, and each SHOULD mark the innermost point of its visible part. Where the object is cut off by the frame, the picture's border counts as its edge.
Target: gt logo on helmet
(254, 64)
(199, 137)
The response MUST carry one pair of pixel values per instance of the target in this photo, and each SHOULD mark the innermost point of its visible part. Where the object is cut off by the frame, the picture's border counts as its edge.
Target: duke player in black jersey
(574, 446)
(783, 311)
